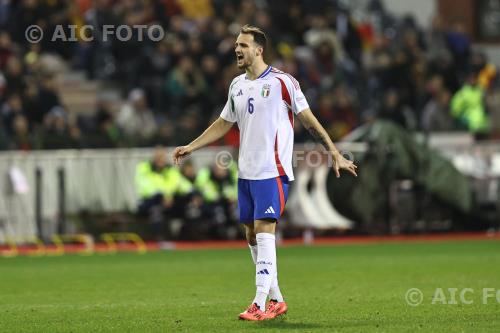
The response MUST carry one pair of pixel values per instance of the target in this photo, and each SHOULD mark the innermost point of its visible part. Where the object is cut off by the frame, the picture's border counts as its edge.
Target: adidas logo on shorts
(270, 210)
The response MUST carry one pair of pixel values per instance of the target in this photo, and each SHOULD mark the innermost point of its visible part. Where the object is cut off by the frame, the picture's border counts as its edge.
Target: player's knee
(267, 226)
(251, 239)
(250, 234)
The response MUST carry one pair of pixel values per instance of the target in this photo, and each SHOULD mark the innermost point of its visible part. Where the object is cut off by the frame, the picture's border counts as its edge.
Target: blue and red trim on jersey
(279, 166)
(285, 95)
(287, 99)
(295, 82)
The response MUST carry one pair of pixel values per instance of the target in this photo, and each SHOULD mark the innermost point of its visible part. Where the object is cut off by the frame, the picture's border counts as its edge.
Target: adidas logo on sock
(270, 210)
(264, 271)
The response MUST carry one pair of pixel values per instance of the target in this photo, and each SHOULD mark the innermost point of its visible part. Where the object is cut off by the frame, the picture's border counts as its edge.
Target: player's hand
(339, 162)
(180, 152)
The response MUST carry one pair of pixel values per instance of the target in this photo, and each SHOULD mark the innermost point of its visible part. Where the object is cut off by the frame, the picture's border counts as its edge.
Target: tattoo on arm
(319, 137)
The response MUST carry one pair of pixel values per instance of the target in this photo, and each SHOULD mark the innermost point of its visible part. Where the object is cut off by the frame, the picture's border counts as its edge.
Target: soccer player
(263, 102)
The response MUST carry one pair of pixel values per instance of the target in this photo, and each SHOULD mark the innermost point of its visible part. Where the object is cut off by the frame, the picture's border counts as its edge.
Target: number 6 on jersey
(250, 105)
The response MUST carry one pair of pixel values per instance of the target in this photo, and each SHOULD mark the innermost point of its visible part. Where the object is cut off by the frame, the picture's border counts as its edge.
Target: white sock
(274, 291)
(253, 252)
(265, 268)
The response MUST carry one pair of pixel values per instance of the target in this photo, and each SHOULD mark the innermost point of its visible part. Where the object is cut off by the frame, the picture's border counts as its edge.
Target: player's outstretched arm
(217, 130)
(312, 124)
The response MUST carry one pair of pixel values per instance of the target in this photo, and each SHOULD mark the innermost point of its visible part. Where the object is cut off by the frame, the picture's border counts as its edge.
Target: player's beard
(244, 63)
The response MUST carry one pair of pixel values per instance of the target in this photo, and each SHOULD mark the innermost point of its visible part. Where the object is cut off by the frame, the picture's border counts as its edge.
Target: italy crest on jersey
(266, 90)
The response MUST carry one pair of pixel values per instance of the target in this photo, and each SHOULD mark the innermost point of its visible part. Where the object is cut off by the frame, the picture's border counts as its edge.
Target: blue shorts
(262, 199)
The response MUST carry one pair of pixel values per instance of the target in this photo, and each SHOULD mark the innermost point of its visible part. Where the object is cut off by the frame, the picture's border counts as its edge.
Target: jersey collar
(264, 73)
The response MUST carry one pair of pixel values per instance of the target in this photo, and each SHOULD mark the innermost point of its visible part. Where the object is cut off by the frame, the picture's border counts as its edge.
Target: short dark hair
(259, 36)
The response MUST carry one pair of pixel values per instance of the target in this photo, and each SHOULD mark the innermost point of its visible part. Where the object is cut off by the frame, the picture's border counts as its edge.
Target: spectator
(102, 131)
(190, 205)
(58, 132)
(436, 40)
(48, 98)
(337, 109)
(210, 68)
(155, 66)
(156, 184)
(21, 138)
(10, 109)
(467, 107)
(6, 49)
(459, 44)
(185, 85)
(436, 116)
(31, 103)
(14, 76)
(394, 110)
(135, 119)
(218, 185)
(218, 182)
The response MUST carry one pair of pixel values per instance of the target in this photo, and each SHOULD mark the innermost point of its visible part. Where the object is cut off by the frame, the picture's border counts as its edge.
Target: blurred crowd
(354, 66)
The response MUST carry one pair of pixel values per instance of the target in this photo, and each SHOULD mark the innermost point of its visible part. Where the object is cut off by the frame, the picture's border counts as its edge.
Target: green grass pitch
(350, 288)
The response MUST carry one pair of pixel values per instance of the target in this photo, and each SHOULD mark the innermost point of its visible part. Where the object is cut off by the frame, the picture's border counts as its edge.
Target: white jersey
(264, 109)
